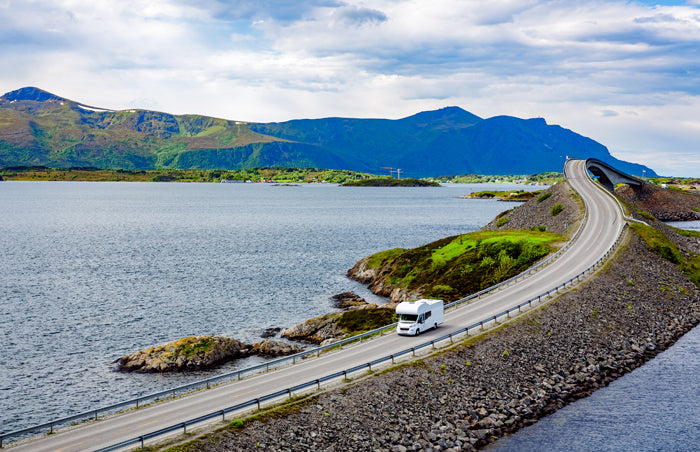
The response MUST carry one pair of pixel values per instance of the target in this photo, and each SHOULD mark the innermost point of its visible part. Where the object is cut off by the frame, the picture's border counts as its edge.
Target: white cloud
(623, 73)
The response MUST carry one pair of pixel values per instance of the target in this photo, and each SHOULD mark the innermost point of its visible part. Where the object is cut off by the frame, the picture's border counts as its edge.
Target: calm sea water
(94, 271)
(655, 407)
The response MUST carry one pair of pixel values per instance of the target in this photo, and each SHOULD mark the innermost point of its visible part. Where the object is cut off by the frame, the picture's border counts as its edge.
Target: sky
(624, 73)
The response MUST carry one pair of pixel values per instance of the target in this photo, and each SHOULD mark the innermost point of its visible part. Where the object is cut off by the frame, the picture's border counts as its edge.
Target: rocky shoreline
(198, 353)
(638, 305)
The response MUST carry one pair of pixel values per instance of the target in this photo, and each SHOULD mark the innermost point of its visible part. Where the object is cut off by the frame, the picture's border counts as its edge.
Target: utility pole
(391, 170)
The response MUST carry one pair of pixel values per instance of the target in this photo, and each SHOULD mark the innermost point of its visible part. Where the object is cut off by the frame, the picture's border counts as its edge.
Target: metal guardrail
(94, 414)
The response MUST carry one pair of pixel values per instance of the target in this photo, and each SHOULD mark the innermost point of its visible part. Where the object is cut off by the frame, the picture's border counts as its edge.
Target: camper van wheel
(417, 331)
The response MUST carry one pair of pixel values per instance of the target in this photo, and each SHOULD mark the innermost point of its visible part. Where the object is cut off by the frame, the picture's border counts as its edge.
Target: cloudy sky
(625, 73)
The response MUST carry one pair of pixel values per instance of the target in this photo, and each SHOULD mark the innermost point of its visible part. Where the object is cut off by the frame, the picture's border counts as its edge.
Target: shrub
(501, 221)
(544, 196)
(365, 319)
(556, 210)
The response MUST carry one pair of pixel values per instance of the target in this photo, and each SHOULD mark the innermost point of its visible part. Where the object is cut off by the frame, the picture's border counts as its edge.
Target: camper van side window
(427, 315)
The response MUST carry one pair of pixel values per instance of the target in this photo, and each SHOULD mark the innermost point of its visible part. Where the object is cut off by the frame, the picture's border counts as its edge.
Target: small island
(391, 182)
(519, 196)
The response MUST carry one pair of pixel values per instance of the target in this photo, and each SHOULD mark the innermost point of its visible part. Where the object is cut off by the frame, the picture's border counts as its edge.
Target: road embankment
(638, 305)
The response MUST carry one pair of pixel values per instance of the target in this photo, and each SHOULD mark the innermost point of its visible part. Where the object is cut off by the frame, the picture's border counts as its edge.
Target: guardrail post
(413, 349)
(184, 428)
(369, 365)
(223, 416)
(258, 400)
(318, 382)
(392, 359)
(289, 391)
(451, 341)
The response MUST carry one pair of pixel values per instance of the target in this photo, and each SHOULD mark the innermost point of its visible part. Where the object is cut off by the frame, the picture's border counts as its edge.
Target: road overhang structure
(608, 176)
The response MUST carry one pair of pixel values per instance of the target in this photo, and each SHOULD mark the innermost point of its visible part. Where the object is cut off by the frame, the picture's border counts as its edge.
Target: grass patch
(456, 266)
(557, 209)
(376, 259)
(502, 221)
(544, 196)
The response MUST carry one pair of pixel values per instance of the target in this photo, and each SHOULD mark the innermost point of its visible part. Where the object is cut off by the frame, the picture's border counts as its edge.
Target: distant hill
(40, 128)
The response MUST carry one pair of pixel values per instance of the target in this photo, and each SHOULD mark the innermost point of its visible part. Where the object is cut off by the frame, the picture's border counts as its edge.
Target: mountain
(40, 128)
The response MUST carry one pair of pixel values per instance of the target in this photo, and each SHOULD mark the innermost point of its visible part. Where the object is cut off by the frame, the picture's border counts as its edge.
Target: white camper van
(417, 316)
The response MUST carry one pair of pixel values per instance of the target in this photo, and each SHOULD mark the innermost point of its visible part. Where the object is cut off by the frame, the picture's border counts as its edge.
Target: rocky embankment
(465, 398)
(662, 203)
(198, 353)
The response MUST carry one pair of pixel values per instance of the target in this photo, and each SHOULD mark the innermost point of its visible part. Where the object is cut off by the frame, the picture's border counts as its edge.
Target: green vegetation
(390, 182)
(544, 196)
(520, 195)
(263, 174)
(661, 245)
(358, 321)
(548, 178)
(454, 267)
(557, 209)
(502, 221)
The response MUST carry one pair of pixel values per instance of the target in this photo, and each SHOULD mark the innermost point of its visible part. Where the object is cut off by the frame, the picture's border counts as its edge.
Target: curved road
(604, 223)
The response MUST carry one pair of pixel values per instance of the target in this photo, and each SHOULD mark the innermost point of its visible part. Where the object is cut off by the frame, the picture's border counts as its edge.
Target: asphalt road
(603, 226)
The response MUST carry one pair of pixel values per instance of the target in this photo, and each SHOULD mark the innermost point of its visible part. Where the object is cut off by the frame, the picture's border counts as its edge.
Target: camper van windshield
(408, 317)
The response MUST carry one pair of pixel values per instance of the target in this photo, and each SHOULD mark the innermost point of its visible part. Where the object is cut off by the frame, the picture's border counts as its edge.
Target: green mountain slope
(40, 128)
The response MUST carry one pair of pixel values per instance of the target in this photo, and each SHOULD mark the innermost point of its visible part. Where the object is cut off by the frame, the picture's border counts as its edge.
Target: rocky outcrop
(348, 300)
(187, 354)
(276, 348)
(199, 353)
(317, 330)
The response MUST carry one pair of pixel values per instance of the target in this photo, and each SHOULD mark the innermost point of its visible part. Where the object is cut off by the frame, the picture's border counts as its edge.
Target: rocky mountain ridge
(38, 128)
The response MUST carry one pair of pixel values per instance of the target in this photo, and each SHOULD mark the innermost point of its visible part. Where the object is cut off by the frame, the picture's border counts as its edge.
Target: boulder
(316, 330)
(276, 348)
(347, 300)
(270, 332)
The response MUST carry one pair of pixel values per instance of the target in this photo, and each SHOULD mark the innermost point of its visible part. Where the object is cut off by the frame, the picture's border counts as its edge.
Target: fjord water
(93, 271)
